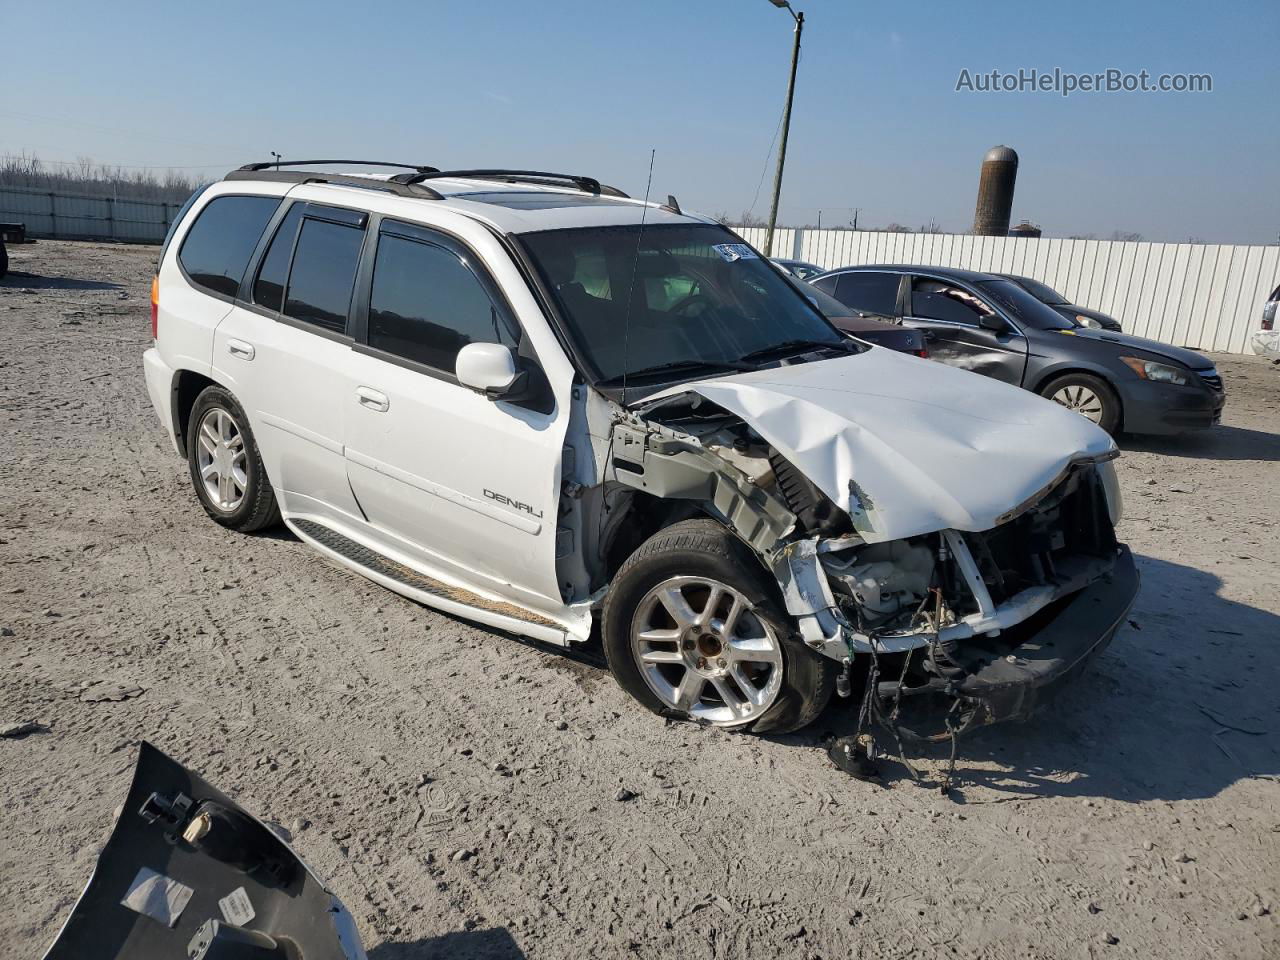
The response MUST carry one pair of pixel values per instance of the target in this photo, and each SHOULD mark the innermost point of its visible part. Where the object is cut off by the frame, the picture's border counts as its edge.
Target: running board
(381, 567)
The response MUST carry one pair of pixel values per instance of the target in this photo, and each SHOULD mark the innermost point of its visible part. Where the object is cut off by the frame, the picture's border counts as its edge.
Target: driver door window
(937, 300)
(426, 304)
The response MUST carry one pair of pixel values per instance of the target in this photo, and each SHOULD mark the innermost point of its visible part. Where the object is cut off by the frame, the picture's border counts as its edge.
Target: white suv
(528, 400)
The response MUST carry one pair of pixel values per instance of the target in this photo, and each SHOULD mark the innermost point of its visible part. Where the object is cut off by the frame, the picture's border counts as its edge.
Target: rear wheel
(693, 628)
(226, 469)
(1089, 396)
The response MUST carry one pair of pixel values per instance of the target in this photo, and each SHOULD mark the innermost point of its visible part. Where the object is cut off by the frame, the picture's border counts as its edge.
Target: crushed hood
(908, 446)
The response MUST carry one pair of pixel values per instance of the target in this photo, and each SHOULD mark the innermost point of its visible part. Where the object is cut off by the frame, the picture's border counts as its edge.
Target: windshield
(636, 299)
(1041, 291)
(1026, 309)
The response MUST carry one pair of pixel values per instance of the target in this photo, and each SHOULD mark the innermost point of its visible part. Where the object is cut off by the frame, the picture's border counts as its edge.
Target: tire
(690, 559)
(1074, 390)
(251, 503)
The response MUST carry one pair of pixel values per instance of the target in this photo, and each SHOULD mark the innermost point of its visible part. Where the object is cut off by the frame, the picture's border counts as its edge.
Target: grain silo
(995, 192)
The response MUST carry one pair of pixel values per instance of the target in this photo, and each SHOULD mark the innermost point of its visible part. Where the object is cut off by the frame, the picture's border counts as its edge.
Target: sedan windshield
(1041, 291)
(1026, 309)
(657, 300)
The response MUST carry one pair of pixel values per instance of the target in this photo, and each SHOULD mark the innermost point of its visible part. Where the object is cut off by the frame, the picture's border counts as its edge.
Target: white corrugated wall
(1203, 296)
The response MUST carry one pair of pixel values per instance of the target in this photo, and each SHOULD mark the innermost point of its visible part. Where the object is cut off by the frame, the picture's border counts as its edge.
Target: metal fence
(54, 215)
(1203, 296)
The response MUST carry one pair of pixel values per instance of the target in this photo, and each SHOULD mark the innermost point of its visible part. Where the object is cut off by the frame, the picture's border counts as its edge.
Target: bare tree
(931, 227)
(897, 228)
(1125, 236)
(84, 176)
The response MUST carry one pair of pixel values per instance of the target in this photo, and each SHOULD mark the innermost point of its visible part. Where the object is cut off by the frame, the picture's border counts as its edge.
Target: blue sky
(592, 87)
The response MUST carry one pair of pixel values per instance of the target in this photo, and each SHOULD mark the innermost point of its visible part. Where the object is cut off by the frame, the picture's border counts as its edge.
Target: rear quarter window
(217, 248)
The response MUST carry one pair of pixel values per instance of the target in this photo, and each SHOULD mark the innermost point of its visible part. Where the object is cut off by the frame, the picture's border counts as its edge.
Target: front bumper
(1017, 683)
(1163, 408)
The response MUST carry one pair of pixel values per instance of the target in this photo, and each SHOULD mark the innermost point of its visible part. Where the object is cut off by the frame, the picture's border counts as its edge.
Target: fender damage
(970, 533)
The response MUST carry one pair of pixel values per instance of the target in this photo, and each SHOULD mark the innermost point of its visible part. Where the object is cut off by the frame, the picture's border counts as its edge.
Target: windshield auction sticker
(730, 252)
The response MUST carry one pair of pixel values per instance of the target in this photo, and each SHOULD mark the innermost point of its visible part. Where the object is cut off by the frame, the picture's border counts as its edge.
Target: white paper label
(156, 896)
(734, 251)
(236, 908)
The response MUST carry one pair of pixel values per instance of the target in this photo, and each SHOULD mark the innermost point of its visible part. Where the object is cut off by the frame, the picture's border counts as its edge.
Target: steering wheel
(690, 301)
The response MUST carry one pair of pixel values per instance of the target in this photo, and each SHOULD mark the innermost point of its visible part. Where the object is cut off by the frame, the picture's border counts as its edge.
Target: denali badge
(507, 501)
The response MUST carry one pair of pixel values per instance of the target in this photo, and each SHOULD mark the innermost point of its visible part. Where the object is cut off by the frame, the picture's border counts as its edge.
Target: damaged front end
(970, 561)
(992, 621)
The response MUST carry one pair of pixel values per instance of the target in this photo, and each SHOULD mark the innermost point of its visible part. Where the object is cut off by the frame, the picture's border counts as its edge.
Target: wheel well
(187, 385)
(643, 516)
(1085, 371)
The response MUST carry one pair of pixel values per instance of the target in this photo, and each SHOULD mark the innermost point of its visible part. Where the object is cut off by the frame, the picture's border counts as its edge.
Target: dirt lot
(387, 737)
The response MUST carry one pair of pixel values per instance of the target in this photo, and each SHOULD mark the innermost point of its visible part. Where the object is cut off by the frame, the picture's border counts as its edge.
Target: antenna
(278, 158)
(631, 289)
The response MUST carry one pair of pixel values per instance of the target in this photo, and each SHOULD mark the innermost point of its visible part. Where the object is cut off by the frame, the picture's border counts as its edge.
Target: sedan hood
(1188, 358)
(907, 446)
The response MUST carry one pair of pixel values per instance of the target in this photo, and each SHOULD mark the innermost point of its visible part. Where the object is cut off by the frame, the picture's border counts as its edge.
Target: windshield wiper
(679, 366)
(792, 346)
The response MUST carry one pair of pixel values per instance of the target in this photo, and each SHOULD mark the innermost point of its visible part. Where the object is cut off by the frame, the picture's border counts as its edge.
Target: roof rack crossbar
(277, 164)
(588, 184)
(398, 187)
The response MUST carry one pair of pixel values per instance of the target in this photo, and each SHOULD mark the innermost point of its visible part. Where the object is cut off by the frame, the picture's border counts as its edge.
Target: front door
(468, 483)
(951, 318)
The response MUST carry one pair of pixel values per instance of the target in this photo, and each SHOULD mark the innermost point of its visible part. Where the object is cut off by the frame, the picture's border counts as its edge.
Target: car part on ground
(991, 325)
(189, 872)
(548, 402)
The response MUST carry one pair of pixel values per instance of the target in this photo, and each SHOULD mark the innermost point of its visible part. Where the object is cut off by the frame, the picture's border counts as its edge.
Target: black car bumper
(1166, 409)
(1018, 684)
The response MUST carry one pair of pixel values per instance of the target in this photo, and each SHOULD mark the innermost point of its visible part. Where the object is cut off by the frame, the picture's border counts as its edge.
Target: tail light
(922, 352)
(155, 307)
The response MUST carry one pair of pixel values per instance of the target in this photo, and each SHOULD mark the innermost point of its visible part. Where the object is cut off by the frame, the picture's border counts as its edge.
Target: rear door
(870, 291)
(284, 348)
(949, 315)
(470, 484)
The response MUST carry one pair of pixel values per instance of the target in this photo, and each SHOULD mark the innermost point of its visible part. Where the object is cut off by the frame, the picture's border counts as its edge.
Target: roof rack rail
(277, 164)
(589, 184)
(398, 187)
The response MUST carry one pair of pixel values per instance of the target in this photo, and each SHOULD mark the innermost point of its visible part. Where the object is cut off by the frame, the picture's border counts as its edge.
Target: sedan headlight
(1157, 372)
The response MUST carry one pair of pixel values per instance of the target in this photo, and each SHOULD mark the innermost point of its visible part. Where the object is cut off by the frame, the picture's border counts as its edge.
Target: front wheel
(1089, 396)
(693, 628)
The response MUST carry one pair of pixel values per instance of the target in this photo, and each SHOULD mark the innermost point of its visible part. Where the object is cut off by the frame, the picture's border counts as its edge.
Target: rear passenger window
(426, 304)
(869, 292)
(268, 289)
(323, 274)
(217, 248)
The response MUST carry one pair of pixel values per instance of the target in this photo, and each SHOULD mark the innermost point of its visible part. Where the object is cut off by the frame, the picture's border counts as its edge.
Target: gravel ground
(388, 738)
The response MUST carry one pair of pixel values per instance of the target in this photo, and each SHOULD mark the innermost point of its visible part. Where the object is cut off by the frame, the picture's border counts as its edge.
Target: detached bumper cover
(1017, 685)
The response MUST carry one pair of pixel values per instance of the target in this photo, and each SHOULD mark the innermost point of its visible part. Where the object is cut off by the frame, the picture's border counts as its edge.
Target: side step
(376, 563)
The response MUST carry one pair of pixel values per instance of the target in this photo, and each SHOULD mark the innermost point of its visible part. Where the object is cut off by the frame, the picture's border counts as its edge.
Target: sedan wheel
(1080, 399)
(703, 651)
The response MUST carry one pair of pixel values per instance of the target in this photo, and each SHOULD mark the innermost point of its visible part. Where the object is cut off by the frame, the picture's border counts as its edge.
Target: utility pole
(786, 124)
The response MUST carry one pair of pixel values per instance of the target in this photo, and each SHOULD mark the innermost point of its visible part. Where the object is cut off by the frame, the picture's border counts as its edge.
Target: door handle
(373, 399)
(238, 348)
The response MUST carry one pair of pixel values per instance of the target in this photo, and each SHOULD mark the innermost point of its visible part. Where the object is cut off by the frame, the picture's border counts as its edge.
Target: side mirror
(489, 368)
(993, 322)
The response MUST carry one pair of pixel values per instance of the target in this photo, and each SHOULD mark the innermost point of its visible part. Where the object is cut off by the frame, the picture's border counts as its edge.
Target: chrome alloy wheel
(703, 650)
(220, 457)
(1080, 399)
